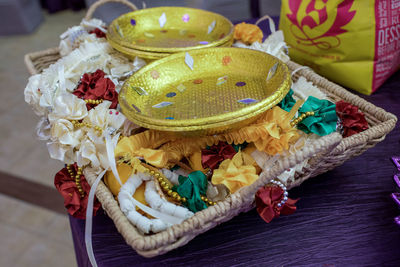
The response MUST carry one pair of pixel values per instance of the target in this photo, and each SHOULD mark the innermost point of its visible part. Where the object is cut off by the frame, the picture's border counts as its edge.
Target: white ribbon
(61, 78)
(89, 220)
(300, 68)
(88, 23)
(152, 212)
(111, 143)
(156, 214)
(272, 27)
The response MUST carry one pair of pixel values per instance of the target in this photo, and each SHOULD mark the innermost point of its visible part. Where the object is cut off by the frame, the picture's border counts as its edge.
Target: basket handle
(92, 8)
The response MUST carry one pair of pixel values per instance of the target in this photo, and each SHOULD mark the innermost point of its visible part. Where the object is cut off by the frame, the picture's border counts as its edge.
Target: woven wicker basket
(324, 154)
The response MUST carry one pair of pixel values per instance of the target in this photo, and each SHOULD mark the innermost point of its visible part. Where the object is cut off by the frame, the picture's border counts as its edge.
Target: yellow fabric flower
(127, 147)
(247, 33)
(195, 162)
(236, 172)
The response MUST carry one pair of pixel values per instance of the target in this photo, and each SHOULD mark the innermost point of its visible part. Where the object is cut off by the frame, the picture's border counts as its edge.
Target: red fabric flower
(99, 33)
(94, 86)
(73, 201)
(267, 200)
(213, 156)
(353, 121)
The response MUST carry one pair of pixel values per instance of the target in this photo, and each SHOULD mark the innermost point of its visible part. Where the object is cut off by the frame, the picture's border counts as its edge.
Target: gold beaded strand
(92, 101)
(77, 177)
(301, 118)
(78, 124)
(165, 186)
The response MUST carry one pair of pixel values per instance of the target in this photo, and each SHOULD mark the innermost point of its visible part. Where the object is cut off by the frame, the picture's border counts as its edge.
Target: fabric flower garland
(325, 119)
(352, 120)
(267, 200)
(95, 86)
(73, 200)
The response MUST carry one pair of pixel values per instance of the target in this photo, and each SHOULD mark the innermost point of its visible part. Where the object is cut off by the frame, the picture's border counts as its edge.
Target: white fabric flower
(43, 129)
(33, 94)
(274, 45)
(74, 36)
(103, 117)
(92, 24)
(302, 89)
(63, 131)
(61, 152)
(93, 153)
(68, 106)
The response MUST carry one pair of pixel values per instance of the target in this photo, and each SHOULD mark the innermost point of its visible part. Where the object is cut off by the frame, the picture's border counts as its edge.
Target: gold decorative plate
(170, 29)
(132, 53)
(204, 91)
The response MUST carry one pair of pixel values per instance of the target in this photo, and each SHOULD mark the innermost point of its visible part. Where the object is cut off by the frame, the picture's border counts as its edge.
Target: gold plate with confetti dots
(169, 30)
(205, 91)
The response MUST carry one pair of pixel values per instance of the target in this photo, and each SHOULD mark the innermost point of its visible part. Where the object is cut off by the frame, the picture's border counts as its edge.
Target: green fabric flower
(288, 102)
(192, 187)
(325, 118)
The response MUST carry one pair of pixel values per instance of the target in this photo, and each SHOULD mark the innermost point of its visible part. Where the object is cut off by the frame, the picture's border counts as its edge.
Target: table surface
(344, 217)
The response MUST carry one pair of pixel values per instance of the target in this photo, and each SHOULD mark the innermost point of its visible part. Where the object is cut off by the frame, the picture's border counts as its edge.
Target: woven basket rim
(180, 234)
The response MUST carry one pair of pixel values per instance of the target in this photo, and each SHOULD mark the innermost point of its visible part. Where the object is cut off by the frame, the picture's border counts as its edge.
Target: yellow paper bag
(354, 43)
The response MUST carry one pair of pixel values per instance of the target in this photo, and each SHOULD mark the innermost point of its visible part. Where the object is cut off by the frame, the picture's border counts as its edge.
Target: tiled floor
(30, 235)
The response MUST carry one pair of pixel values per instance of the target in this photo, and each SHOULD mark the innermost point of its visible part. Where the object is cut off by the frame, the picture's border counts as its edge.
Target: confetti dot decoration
(154, 74)
(169, 118)
(171, 94)
(186, 18)
(150, 35)
(226, 60)
(203, 42)
(211, 26)
(248, 101)
(189, 60)
(240, 84)
(136, 108)
(162, 20)
(133, 22)
(162, 104)
(222, 80)
(181, 88)
(198, 81)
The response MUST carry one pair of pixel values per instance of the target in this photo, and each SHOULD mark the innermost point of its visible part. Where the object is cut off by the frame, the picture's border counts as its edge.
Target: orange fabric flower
(247, 33)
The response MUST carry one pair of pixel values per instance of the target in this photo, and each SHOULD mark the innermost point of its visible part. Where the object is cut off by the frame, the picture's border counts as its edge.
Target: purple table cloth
(344, 217)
